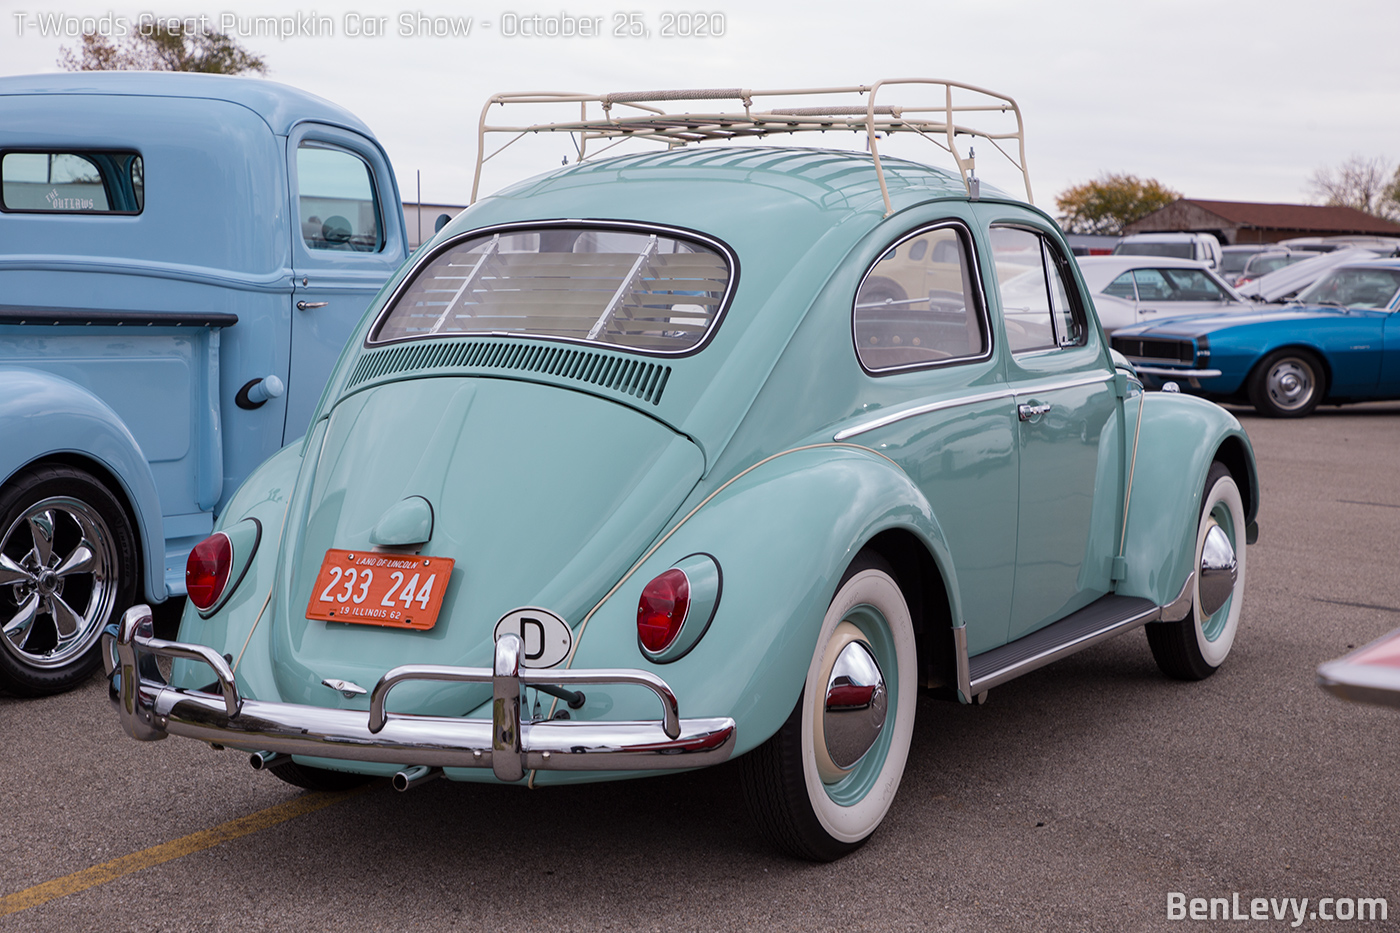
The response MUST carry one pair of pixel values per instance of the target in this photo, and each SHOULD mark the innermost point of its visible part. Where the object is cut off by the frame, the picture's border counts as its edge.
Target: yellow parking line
(166, 851)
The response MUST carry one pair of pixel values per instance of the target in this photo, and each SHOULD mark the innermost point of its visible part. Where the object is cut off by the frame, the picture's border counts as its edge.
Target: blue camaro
(1338, 342)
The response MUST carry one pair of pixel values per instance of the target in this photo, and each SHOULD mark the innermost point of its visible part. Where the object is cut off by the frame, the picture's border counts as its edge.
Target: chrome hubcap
(57, 582)
(855, 705)
(1290, 384)
(1219, 570)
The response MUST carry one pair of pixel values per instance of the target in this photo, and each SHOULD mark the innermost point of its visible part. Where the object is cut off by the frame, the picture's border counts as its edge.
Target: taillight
(207, 570)
(662, 609)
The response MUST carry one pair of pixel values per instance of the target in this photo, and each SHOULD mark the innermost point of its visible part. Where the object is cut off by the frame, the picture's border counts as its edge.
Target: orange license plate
(371, 588)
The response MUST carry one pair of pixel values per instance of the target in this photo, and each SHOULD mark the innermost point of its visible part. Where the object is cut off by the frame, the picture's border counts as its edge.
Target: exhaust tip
(409, 778)
(262, 761)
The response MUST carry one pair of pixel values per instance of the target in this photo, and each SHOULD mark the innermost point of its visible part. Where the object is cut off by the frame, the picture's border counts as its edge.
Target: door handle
(308, 305)
(1031, 412)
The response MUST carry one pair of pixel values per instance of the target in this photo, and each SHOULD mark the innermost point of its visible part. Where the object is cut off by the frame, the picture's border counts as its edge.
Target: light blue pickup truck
(182, 258)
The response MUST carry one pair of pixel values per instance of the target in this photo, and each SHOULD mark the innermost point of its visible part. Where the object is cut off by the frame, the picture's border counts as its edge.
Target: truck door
(347, 239)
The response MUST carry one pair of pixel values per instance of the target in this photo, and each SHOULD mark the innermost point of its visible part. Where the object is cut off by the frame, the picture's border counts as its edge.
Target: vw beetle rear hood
(543, 496)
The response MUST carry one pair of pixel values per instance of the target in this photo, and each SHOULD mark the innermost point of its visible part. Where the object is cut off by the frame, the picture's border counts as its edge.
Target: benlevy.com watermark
(1292, 909)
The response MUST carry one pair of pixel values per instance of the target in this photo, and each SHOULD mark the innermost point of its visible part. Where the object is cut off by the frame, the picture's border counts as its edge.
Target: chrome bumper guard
(151, 709)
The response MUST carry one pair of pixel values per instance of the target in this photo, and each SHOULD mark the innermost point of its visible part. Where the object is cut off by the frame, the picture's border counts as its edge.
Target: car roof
(737, 193)
(1385, 263)
(280, 106)
(1164, 237)
(1099, 271)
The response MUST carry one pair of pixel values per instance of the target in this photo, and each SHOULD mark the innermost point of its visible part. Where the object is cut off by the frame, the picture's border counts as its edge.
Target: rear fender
(231, 630)
(782, 534)
(43, 416)
(1181, 435)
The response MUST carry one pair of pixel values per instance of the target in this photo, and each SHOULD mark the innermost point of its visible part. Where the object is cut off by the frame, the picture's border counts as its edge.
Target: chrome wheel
(1220, 569)
(58, 561)
(1288, 384)
(823, 783)
(68, 565)
(1193, 648)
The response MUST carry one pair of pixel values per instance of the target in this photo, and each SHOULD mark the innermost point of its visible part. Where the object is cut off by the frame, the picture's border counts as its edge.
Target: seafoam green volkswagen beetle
(667, 458)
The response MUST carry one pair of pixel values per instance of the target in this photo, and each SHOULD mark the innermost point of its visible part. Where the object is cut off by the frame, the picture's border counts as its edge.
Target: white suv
(1202, 247)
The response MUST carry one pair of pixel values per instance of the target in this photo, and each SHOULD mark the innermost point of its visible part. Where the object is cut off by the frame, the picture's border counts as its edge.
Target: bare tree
(163, 48)
(1370, 185)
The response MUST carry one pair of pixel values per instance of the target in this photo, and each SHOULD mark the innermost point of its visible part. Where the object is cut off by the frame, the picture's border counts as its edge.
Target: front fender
(43, 415)
(1180, 436)
(783, 534)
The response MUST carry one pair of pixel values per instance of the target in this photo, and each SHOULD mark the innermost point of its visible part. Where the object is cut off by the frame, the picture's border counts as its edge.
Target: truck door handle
(308, 305)
(1031, 412)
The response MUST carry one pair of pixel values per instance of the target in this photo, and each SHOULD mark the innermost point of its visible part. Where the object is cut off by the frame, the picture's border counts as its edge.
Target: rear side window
(918, 304)
(1177, 285)
(643, 290)
(1035, 302)
(1122, 287)
(83, 182)
(337, 205)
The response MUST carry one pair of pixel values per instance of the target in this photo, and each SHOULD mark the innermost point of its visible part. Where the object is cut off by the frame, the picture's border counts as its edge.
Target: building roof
(1311, 217)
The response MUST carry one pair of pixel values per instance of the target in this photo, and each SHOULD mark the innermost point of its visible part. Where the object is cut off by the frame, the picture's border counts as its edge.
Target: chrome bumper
(151, 709)
(1175, 373)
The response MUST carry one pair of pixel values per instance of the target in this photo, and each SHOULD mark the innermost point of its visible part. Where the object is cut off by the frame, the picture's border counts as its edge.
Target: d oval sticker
(547, 637)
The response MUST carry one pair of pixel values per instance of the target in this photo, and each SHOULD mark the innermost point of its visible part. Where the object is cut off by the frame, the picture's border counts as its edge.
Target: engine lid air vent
(620, 373)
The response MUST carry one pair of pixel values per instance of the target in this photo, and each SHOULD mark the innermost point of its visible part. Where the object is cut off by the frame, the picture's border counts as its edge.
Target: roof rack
(637, 115)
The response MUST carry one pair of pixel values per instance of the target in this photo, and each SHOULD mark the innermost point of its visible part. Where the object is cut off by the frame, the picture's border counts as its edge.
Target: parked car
(1370, 674)
(1129, 290)
(1386, 245)
(1337, 343)
(182, 258)
(1263, 263)
(588, 499)
(1201, 247)
(1234, 258)
(1286, 283)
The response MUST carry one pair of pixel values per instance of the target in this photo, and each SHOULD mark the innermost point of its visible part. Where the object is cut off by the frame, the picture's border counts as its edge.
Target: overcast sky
(1229, 99)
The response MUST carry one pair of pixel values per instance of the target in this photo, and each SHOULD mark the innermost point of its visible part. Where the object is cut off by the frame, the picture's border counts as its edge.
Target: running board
(1100, 620)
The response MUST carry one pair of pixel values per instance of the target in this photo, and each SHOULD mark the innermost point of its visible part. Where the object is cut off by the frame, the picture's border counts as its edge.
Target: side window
(918, 305)
(336, 200)
(1035, 301)
(1191, 285)
(1152, 285)
(1121, 287)
(72, 182)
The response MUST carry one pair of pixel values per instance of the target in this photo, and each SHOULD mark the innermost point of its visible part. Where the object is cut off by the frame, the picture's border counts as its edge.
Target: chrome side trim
(914, 412)
(1177, 373)
(1180, 608)
(150, 709)
(1008, 392)
(996, 678)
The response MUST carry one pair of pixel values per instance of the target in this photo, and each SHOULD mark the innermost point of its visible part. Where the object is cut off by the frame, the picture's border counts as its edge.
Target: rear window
(652, 291)
(1173, 250)
(73, 182)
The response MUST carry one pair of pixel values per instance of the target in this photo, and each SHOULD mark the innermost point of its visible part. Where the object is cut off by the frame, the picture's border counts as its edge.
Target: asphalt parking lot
(1079, 798)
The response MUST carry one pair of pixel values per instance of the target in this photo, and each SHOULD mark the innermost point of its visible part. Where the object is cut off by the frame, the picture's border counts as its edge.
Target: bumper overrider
(150, 709)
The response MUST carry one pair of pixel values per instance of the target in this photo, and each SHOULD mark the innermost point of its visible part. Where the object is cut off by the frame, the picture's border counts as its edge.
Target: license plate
(369, 588)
